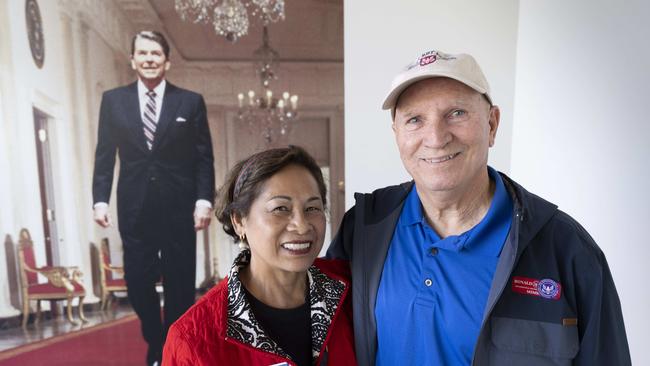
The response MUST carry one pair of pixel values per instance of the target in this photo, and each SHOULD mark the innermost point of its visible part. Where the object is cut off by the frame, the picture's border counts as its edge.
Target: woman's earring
(242, 242)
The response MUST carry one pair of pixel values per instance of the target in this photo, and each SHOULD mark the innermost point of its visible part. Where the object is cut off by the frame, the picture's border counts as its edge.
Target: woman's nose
(299, 223)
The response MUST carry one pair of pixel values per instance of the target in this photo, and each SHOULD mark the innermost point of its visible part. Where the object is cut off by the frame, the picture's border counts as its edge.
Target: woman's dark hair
(245, 180)
(152, 36)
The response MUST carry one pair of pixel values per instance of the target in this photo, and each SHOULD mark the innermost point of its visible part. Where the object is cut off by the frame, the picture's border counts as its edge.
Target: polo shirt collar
(486, 238)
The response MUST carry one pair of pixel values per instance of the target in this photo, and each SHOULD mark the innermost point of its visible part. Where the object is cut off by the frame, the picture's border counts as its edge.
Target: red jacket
(220, 329)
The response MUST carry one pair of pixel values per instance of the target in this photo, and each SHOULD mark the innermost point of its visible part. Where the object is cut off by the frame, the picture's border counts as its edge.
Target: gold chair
(63, 283)
(108, 284)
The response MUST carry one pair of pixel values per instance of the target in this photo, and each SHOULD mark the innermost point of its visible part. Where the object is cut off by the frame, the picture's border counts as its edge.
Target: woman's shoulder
(338, 268)
(208, 311)
(201, 325)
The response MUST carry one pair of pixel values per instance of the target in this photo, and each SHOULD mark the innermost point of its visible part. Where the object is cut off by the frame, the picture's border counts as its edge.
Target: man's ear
(168, 64)
(133, 63)
(495, 117)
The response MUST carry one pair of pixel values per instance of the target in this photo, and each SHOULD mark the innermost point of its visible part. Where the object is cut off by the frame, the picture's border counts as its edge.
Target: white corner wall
(381, 37)
(582, 130)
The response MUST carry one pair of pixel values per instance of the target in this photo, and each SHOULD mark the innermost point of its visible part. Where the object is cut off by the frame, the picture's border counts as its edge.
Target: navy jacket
(580, 325)
(180, 162)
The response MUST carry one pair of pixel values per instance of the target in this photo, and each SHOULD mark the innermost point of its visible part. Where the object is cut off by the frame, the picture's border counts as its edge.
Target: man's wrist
(204, 203)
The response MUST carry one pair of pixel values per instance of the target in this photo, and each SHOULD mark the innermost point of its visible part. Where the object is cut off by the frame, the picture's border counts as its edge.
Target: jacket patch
(546, 287)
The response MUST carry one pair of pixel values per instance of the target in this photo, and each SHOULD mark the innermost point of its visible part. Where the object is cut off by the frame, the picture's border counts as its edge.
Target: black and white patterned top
(325, 296)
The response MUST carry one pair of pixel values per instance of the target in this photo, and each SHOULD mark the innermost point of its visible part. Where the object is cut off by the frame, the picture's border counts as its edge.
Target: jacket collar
(325, 294)
(170, 104)
(533, 211)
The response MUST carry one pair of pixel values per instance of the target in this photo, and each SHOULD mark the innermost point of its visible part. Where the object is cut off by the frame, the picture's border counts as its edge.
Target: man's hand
(202, 217)
(101, 216)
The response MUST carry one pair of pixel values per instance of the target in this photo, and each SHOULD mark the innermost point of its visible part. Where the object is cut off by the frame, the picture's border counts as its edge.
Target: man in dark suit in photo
(165, 188)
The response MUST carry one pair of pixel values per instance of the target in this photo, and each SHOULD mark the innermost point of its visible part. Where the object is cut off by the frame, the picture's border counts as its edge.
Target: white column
(76, 131)
(6, 197)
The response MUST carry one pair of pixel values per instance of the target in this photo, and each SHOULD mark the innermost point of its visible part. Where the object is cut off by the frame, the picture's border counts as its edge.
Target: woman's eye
(281, 209)
(313, 209)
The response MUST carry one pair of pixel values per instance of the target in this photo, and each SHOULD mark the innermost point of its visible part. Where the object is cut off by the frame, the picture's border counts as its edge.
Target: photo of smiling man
(165, 187)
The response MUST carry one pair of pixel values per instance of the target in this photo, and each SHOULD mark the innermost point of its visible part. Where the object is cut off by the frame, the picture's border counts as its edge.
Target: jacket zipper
(517, 222)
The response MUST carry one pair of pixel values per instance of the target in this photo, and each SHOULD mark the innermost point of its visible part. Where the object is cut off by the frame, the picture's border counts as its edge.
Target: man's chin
(151, 79)
(436, 185)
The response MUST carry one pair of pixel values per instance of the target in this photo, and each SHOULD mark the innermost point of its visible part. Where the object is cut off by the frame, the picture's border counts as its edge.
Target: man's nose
(437, 134)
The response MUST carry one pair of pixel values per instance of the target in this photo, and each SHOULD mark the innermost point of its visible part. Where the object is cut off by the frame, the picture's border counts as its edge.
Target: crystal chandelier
(266, 112)
(230, 17)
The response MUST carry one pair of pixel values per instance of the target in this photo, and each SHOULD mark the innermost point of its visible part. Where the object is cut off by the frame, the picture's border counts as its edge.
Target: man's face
(443, 131)
(149, 61)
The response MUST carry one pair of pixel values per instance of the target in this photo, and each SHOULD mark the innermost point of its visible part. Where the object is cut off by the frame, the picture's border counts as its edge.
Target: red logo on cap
(425, 60)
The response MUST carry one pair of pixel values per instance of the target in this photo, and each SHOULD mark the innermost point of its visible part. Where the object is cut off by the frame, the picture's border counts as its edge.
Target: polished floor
(58, 325)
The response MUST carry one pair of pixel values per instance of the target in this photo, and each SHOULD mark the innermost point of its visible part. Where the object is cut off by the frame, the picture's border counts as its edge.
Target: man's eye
(313, 209)
(412, 120)
(458, 113)
(281, 209)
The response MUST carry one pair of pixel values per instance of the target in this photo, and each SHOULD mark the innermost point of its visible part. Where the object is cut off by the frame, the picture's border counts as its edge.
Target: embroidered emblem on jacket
(546, 287)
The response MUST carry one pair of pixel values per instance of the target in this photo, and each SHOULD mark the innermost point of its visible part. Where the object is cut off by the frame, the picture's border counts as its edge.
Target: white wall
(582, 128)
(381, 37)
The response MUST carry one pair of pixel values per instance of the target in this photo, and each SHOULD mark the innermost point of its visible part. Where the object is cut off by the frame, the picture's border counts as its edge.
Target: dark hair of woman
(246, 179)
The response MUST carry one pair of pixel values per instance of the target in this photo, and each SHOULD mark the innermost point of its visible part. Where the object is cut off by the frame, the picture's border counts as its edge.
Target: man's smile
(440, 159)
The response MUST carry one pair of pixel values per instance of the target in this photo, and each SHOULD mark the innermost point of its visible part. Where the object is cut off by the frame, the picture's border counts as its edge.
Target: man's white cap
(461, 67)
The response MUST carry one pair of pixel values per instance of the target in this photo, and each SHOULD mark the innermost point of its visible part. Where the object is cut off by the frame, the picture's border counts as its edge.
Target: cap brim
(391, 98)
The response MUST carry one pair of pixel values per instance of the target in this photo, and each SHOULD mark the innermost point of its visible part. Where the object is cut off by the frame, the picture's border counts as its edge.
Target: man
(165, 186)
(462, 265)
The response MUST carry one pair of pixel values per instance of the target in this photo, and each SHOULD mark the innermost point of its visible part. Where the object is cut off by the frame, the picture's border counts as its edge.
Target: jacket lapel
(524, 227)
(170, 103)
(376, 234)
(326, 296)
(131, 104)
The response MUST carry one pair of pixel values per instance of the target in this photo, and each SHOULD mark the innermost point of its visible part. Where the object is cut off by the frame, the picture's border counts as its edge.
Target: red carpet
(117, 343)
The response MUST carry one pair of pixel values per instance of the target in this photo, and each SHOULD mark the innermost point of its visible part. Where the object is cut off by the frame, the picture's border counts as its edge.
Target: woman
(277, 306)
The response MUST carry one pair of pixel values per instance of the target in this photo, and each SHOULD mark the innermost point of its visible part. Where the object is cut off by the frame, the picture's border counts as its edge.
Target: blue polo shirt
(433, 291)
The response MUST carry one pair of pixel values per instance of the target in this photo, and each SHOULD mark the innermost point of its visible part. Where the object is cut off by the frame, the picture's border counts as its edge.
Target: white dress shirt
(143, 98)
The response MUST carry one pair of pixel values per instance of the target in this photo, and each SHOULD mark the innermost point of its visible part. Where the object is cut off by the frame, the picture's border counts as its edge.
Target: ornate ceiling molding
(104, 17)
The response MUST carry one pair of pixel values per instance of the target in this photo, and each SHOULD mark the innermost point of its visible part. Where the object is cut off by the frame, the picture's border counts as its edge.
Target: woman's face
(285, 226)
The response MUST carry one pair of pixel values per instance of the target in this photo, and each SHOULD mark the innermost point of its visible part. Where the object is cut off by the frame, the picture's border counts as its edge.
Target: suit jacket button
(152, 179)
